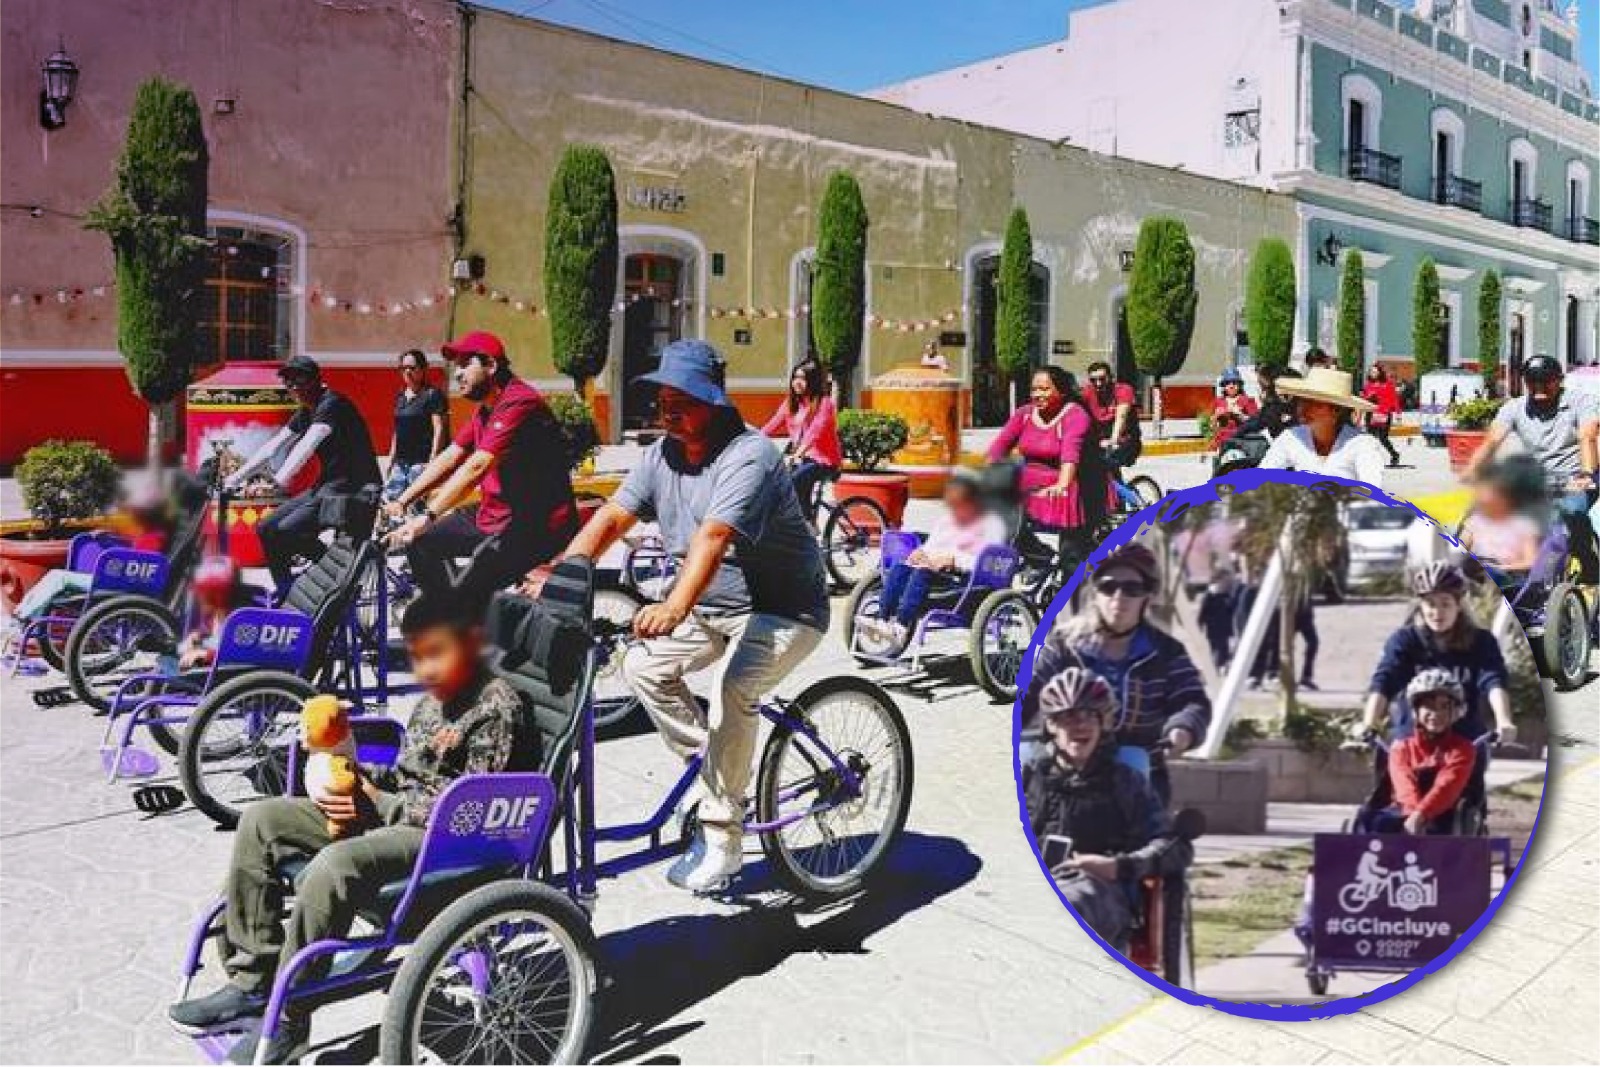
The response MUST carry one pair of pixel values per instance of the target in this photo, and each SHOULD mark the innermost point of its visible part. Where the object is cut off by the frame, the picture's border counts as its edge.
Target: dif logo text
(271, 637)
(134, 570)
(501, 815)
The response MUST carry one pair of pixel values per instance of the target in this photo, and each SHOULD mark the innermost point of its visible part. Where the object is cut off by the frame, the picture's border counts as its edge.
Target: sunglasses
(1125, 586)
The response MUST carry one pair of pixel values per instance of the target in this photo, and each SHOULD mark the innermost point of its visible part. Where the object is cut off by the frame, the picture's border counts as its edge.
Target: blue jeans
(905, 590)
(808, 477)
(401, 475)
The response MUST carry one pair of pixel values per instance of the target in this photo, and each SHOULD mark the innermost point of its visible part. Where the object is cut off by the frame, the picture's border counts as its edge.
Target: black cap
(1541, 368)
(299, 367)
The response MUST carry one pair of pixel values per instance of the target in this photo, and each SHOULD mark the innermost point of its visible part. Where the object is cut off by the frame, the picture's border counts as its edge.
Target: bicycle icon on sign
(1408, 888)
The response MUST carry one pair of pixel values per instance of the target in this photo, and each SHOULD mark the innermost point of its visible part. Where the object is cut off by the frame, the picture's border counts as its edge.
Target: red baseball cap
(476, 343)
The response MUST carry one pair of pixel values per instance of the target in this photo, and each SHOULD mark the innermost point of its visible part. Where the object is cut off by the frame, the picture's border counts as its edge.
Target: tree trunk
(152, 454)
(1286, 670)
(1155, 409)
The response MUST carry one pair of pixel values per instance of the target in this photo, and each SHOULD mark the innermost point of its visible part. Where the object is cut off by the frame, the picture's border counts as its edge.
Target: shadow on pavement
(664, 967)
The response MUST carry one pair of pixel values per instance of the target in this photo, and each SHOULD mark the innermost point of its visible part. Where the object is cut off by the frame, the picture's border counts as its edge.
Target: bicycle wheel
(1565, 641)
(614, 700)
(1147, 488)
(236, 747)
(506, 974)
(869, 648)
(851, 538)
(115, 640)
(832, 837)
(51, 641)
(1001, 629)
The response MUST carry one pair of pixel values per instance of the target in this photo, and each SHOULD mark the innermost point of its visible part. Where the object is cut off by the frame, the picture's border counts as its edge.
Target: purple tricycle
(500, 964)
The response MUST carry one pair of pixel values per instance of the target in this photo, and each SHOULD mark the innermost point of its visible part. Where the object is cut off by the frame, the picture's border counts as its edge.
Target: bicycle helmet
(1433, 681)
(216, 576)
(1078, 689)
(1440, 576)
(1542, 368)
(1137, 558)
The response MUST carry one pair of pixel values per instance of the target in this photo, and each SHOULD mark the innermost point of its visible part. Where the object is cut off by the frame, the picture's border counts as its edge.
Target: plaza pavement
(961, 954)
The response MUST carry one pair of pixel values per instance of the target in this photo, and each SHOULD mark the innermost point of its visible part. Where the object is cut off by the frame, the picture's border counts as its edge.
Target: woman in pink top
(808, 419)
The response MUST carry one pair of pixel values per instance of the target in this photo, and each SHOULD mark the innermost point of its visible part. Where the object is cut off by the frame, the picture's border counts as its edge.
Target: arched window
(1363, 121)
(1522, 159)
(1449, 140)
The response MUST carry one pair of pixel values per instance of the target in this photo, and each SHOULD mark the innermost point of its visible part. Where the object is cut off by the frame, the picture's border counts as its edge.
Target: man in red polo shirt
(512, 450)
(1112, 403)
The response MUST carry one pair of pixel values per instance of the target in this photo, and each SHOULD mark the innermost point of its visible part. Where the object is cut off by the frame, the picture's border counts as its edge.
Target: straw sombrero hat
(1327, 385)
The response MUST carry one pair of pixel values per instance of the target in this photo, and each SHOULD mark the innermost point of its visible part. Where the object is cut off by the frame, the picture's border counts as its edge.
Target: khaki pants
(343, 879)
(765, 649)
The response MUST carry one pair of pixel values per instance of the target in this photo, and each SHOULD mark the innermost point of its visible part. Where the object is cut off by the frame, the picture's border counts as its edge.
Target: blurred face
(444, 659)
(1231, 388)
(1491, 502)
(1544, 390)
(1439, 611)
(1435, 712)
(213, 600)
(1101, 380)
(1075, 732)
(1120, 596)
(961, 502)
(474, 378)
(797, 383)
(684, 418)
(1316, 412)
(411, 371)
(1046, 397)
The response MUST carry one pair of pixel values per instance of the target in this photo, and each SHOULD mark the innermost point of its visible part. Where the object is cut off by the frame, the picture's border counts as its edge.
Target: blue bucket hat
(691, 367)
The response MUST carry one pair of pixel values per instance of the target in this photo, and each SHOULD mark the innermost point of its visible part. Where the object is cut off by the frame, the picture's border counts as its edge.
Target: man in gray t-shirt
(1559, 427)
(750, 586)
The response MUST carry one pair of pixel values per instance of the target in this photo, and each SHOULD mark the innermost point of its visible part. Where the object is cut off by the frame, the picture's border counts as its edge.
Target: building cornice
(1340, 28)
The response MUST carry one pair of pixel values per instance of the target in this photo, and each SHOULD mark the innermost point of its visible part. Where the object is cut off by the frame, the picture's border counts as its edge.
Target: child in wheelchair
(1079, 794)
(1508, 521)
(1429, 771)
(943, 561)
(219, 589)
(468, 722)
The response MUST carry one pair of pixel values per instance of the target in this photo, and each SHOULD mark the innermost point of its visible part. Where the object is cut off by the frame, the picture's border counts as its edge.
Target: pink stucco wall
(340, 132)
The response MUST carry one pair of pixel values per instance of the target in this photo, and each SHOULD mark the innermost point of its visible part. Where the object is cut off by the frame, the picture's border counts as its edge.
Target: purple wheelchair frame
(995, 568)
(253, 638)
(114, 570)
(450, 850)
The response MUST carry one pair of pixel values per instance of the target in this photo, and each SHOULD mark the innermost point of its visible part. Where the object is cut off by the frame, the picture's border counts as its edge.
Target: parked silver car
(1377, 540)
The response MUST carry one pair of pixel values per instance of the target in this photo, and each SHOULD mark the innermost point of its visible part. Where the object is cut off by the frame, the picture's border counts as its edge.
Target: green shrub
(578, 431)
(1015, 339)
(580, 261)
(1314, 731)
(1161, 297)
(869, 438)
(1489, 329)
(1474, 414)
(1351, 338)
(65, 480)
(1427, 332)
(1269, 303)
(1241, 734)
(839, 278)
(1206, 424)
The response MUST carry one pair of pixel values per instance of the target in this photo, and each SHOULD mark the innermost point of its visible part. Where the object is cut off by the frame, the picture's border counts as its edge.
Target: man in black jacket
(1078, 792)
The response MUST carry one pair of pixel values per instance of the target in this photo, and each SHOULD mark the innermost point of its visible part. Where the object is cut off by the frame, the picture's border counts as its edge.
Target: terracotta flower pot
(23, 562)
(888, 489)
(1461, 445)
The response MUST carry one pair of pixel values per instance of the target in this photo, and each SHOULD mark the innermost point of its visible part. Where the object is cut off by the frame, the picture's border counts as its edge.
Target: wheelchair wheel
(871, 650)
(506, 974)
(1001, 629)
(51, 641)
(236, 747)
(1564, 645)
(1147, 488)
(851, 537)
(113, 641)
(838, 839)
(613, 699)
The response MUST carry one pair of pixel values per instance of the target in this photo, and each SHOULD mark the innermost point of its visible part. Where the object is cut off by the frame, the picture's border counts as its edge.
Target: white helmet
(1432, 681)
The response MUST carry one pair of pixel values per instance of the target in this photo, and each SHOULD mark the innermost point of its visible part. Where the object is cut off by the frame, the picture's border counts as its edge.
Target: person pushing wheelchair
(1077, 789)
(750, 590)
(468, 722)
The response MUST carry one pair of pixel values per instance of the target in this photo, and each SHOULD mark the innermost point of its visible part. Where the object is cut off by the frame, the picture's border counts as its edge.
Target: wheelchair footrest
(54, 697)
(129, 762)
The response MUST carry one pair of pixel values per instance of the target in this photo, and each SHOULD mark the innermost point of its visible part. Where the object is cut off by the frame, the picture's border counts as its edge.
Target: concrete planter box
(1298, 777)
(1232, 794)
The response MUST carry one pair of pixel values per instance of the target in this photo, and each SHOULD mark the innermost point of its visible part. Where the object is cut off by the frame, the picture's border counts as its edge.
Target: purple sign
(489, 820)
(277, 639)
(124, 570)
(1394, 902)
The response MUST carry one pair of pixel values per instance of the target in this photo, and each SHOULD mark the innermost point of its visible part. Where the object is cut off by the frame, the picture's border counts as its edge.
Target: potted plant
(868, 439)
(582, 440)
(63, 484)
(1469, 424)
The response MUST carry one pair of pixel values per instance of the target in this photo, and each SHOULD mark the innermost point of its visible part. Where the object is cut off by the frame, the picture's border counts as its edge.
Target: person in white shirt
(1326, 441)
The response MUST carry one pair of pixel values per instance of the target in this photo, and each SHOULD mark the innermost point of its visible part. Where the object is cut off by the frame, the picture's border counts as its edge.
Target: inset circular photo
(1280, 743)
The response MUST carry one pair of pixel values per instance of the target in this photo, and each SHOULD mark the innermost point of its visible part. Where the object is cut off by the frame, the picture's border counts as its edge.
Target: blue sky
(852, 45)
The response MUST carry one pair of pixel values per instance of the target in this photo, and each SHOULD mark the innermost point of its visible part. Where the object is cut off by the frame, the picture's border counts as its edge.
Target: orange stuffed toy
(330, 766)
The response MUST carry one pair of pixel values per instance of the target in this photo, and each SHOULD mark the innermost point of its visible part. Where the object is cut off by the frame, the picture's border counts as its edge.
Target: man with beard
(1112, 405)
(513, 452)
(1560, 428)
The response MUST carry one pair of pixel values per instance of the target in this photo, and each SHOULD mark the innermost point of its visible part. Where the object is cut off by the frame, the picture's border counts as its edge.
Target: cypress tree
(1015, 339)
(155, 215)
(839, 282)
(1427, 335)
(580, 262)
(1269, 303)
(1161, 299)
(1352, 334)
(1489, 331)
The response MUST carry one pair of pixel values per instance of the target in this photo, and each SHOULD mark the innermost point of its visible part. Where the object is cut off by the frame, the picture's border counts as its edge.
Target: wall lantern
(60, 82)
(1328, 251)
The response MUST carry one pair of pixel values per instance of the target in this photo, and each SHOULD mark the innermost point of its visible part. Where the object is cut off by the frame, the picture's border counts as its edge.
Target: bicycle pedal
(54, 697)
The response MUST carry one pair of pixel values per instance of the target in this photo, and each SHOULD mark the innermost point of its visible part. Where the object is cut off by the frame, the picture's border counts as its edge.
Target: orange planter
(888, 489)
(24, 562)
(1461, 445)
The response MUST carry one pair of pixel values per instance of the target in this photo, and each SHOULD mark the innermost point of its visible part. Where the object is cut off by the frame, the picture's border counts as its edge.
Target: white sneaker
(714, 869)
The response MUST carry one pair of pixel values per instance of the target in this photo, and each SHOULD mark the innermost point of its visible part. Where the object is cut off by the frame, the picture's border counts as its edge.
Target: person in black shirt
(421, 425)
(329, 427)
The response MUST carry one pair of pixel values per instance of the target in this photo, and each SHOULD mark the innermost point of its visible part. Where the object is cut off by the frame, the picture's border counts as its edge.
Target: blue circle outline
(1161, 513)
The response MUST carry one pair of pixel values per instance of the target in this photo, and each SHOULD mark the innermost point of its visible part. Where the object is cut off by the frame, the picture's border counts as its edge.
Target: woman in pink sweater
(808, 419)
